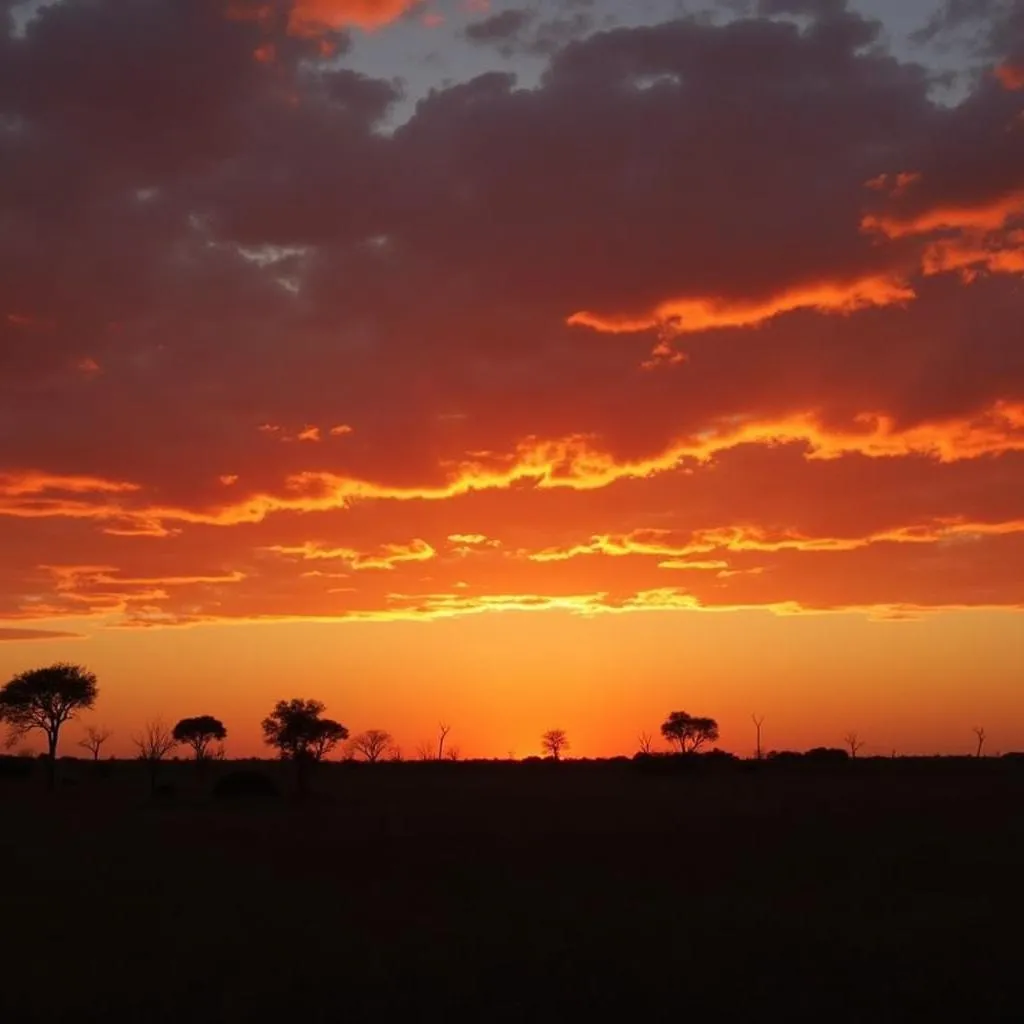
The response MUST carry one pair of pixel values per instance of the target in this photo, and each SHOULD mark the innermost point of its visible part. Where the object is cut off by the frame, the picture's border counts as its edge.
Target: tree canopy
(299, 731)
(372, 744)
(46, 698)
(199, 733)
(689, 732)
(554, 742)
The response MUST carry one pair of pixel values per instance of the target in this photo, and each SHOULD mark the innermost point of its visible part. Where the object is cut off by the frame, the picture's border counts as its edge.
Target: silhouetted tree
(452, 754)
(94, 739)
(758, 721)
(980, 733)
(372, 744)
(553, 742)
(154, 743)
(425, 750)
(300, 733)
(854, 742)
(199, 733)
(690, 732)
(645, 743)
(442, 735)
(44, 699)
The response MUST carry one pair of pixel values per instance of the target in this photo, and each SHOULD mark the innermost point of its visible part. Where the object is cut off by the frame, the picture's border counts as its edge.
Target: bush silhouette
(827, 755)
(245, 785)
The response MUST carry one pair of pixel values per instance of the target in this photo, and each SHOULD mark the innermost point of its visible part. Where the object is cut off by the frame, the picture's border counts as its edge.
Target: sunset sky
(521, 365)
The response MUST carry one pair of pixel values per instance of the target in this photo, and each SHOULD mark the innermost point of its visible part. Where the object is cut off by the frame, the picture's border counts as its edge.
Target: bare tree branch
(372, 744)
(758, 721)
(980, 733)
(442, 735)
(854, 742)
(94, 739)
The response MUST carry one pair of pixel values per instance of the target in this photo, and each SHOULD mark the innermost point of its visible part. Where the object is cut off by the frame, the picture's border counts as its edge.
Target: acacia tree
(44, 699)
(554, 742)
(690, 732)
(94, 739)
(301, 734)
(372, 744)
(154, 743)
(199, 733)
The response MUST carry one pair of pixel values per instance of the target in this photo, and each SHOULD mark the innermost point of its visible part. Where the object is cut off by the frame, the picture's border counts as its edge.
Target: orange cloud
(445, 605)
(72, 577)
(894, 185)
(387, 557)
(1010, 75)
(312, 17)
(266, 53)
(574, 463)
(31, 482)
(662, 543)
(691, 315)
(975, 252)
(987, 214)
(10, 635)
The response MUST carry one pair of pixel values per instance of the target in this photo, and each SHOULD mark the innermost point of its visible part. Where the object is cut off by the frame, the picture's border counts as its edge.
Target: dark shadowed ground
(872, 891)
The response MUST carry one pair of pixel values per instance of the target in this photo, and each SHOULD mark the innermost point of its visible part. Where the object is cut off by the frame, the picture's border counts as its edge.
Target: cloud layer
(717, 315)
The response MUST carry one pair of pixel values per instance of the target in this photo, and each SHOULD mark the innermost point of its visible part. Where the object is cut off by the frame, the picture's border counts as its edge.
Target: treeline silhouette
(45, 699)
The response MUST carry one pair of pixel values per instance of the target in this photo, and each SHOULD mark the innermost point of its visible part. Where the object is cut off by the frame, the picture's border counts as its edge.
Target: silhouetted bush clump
(245, 785)
(827, 755)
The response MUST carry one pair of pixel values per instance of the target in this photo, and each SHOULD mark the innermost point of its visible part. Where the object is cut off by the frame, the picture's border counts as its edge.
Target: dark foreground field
(864, 892)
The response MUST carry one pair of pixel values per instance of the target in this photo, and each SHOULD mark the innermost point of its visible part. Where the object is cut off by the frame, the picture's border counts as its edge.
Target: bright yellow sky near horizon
(500, 681)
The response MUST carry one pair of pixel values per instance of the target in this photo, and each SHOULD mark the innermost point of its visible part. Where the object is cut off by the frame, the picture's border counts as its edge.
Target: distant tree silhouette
(645, 743)
(442, 735)
(198, 733)
(689, 732)
(94, 739)
(980, 733)
(758, 721)
(154, 743)
(854, 742)
(372, 745)
(826, 755)
(44, 699)
(425, 750)
(395, 753)
(553, 742)
(452, 754)
(301, 734)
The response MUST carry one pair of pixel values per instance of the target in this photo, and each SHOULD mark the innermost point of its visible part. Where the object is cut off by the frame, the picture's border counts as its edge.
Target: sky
(518, 366)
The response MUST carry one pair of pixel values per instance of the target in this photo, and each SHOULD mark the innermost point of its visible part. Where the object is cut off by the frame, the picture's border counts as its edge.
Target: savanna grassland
(861, 891)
